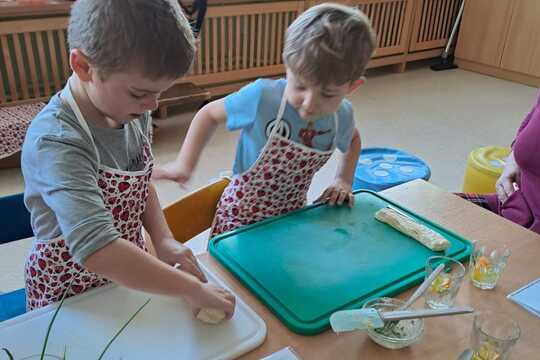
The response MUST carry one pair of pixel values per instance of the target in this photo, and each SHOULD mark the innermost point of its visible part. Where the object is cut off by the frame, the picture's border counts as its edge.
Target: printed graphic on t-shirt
(284, 128)
(308, 133)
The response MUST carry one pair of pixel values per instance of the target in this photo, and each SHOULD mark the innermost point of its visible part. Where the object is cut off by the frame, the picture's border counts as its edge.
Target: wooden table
(443, 338)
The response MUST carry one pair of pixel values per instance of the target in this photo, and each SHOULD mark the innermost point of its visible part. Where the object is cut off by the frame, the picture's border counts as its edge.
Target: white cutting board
(164, 329)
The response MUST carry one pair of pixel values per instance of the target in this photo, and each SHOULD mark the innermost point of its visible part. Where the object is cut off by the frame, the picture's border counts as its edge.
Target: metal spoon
(419, 292)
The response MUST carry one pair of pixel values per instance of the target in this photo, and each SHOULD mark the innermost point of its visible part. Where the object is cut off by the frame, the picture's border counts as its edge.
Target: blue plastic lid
(382, 168)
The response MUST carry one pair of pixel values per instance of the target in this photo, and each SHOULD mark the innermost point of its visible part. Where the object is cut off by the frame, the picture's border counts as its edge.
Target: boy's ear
(356, 84)
(80, 65)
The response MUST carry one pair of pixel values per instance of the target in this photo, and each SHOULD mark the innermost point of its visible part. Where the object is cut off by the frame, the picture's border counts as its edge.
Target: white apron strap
(281, 110)
(78, 114)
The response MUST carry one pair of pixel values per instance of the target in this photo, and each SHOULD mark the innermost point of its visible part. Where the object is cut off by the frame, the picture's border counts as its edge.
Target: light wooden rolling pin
(409, 227)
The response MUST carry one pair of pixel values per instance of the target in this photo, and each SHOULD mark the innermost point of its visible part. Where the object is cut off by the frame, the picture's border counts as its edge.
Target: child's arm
(126, 264)
(202, 127)
(167, 248)
(340, 190)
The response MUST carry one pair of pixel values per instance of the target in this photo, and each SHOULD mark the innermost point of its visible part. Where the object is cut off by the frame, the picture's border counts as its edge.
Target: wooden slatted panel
(222, 46)
(40, 67)
(245, 32)
(266, 44)
(32, 64)
(215, 44)
(252, 31)
(280, 37)
(429, 16)
(273, 40)
(423, 6)
(259, 31)
(392, 27)
(54, 62)
(197, 67)
(440, 9)
(20, 65)
(45, 81)
(449, 17)
(377, 22)
(385, 23)
(237, 41)
(65, 54)
(401, 22)
(388, 18)
(434, 18)
(206, 38)
(452, 16)
(9, 67)
(34, 59)
(287, 21)
(243, 41)
(3, 95)
(2, 90)
(230, 45)
(433, 23)
(367, 9)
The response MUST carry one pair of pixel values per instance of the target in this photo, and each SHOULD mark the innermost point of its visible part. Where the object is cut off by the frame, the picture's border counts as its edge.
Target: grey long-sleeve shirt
(60, 169)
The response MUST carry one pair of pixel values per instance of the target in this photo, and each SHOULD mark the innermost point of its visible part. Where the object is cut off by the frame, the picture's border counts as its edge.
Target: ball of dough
(211, 316)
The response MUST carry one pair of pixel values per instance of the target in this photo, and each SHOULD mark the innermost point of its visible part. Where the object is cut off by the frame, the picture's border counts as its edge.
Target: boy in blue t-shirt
(290, 127)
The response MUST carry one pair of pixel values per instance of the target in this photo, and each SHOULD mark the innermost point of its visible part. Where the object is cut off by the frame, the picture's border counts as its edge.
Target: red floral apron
(50, 267)
(277, 183)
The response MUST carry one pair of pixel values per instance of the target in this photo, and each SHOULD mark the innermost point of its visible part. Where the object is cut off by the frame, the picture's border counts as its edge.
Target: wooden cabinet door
(433, 21)
(483, 30)
(522, 48)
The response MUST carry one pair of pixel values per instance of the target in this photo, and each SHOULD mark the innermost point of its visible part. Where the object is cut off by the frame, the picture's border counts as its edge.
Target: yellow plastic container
(484, 167)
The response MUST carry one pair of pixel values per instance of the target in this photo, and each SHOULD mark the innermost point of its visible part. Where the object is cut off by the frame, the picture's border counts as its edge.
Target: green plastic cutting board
(314, 261)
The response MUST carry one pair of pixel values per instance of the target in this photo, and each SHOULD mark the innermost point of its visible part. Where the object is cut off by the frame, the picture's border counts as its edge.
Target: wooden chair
(35, 59)
(14, 225)
(192, 214)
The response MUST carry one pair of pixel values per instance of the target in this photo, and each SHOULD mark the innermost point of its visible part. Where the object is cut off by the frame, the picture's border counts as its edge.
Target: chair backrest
(14, 219)
(194, 213)
(35, 60)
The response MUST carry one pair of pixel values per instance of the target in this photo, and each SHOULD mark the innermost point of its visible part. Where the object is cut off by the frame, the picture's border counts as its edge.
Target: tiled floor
(439, 116)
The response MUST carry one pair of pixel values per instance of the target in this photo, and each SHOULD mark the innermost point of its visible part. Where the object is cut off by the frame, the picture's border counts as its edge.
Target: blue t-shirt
(254, 108)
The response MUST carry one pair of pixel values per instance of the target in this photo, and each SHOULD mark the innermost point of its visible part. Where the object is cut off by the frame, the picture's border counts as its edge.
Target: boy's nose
(309, 103)
(151, 103)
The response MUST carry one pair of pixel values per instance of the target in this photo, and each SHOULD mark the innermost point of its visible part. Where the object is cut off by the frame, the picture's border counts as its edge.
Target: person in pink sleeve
(517, 196)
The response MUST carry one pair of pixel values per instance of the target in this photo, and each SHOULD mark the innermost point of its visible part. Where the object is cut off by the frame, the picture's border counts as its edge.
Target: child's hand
(172, 252)
(337, 193)
(212, 297)
(171, 171)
